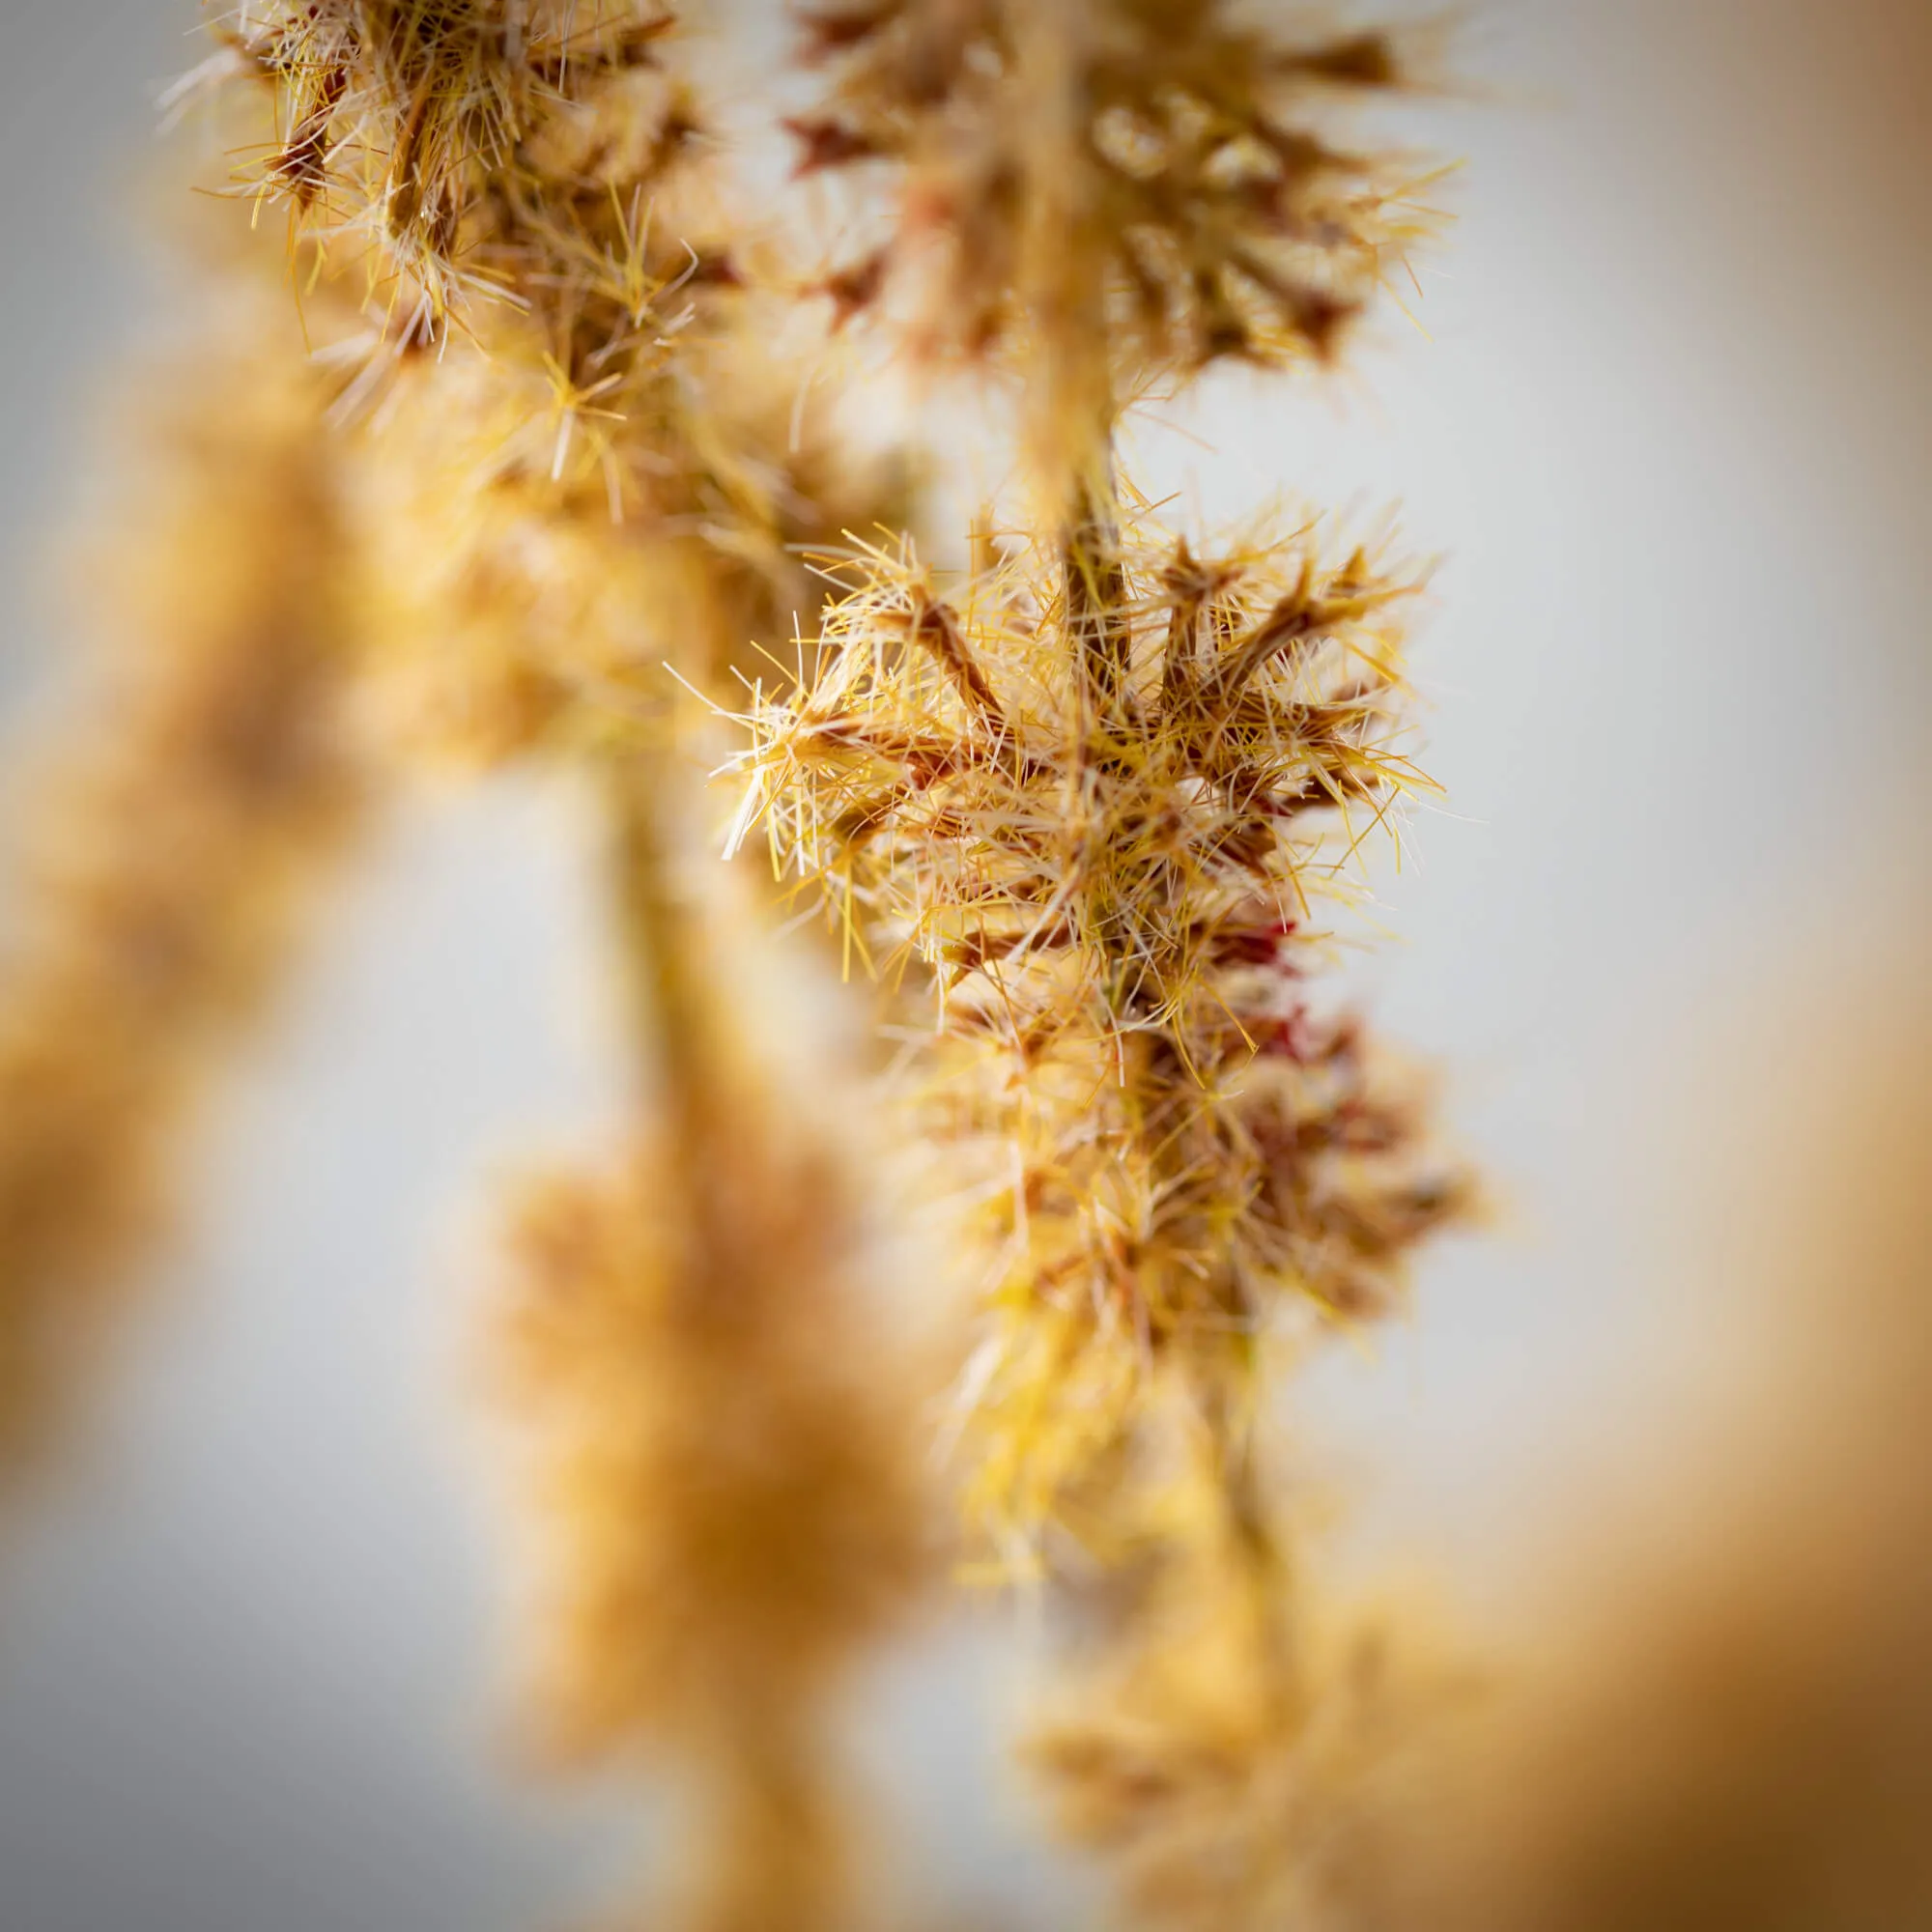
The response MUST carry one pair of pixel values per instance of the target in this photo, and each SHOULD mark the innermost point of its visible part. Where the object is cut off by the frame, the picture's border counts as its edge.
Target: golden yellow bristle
(400, 121)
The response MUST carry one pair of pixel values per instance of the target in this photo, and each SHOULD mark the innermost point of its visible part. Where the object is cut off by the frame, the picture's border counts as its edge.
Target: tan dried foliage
(175, 850)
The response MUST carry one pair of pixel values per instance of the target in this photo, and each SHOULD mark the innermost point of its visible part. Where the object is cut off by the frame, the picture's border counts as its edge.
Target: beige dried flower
(1103, 793)
(725, 1524)
(603, 466)
(399, 122)
(1104, 808)
(1110, 189)
(514, 612)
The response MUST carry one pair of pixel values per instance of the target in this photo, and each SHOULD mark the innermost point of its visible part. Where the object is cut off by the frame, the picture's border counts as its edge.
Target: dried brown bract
(1133, 184)
(398, 121)
(1103, 805)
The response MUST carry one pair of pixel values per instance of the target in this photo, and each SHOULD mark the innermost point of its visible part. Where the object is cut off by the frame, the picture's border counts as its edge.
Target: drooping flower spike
(1120, 898)
(1104, 191)
(400, 121)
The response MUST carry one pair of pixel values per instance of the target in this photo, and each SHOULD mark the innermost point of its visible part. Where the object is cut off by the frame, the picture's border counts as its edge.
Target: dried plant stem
(673, 1016)
(1223, 1564)
(1097, 591)
(772, 1839)
(739, 1511)
(1100, 635)
(778, 1849)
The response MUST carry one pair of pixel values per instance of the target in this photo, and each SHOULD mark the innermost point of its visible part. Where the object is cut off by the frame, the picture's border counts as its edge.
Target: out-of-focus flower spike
(1110, 188)
(726, 1478)
(174, 851)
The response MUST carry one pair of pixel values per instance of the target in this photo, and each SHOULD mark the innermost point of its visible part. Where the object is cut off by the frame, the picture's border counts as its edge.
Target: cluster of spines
(397, 119)
(1159, 173)
(586, 461)
(1117, 901)
(1096, 792)
(1089, 791)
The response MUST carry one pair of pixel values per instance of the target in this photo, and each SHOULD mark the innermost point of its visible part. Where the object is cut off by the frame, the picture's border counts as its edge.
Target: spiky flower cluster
(1101, 802)
(555, 144)
(515, 609)
(400, 124)
(1147, 179)
(600, 465)
(726, 1517)
(1101, 791)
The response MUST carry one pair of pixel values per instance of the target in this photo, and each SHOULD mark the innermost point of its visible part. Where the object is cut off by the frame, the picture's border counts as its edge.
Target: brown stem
(1097, 622)
(673, 1009)
(1262, 1562)
(778, 1852)
(1099, 630)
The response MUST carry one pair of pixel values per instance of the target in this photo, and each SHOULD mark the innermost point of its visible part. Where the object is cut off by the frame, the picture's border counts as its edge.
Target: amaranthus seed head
(515, 611)
(1149, 185)
(952, 768)
(399, 121)
(1235, 1790)
(601, 467)
(1101, 801)
(726, 1519)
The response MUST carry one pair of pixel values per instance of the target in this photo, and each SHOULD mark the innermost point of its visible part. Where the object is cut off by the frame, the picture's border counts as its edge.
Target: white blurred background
(1669, 423)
